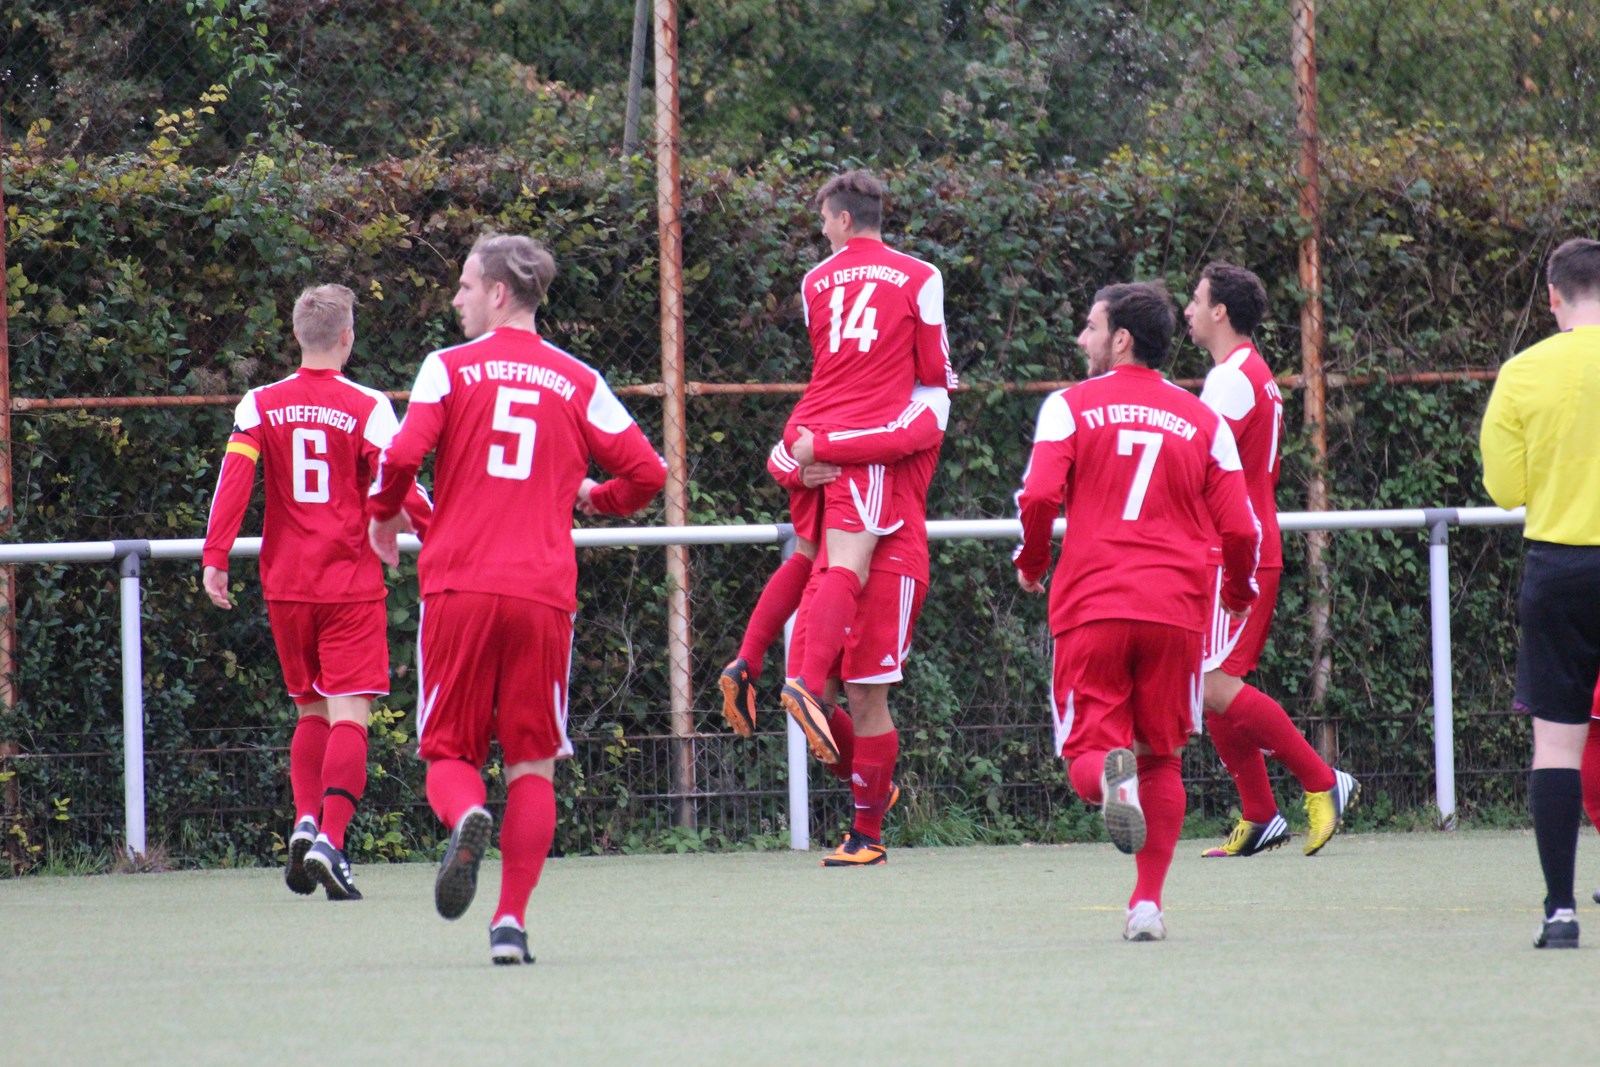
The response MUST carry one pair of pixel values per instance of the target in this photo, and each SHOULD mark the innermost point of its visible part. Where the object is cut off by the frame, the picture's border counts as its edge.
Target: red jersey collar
(1137, 369)
(534, 333)
(318, 372)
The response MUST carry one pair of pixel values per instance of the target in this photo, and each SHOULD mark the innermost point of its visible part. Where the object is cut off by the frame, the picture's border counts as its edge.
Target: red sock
(872, 779)
(779, 599)
(1589, 773)
(526, 832)
(306, 748)
(1245, 765)
(454, 786)
(1085, 774)
(1162, 798)
(833, 609)
(344, 778)
(1263, 722)
(843, 728)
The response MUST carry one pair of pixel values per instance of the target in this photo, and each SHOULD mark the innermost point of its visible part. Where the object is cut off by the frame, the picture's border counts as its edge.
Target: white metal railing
(129, 554)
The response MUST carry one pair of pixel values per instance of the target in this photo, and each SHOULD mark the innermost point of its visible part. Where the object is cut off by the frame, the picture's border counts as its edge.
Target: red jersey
(317, 436)
(911, 443)
(1146, 472)
(514, 422)
(876, 320)
(1241, 389)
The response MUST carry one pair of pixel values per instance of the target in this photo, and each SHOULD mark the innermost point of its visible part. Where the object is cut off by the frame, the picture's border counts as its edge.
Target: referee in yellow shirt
(1541, 447)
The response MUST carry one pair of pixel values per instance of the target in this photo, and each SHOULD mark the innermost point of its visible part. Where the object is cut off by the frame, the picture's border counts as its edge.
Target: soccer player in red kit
(1229, 303)
(874, 656)
(1147, 474)
(875, 317)
(513, 423)
(317, 436)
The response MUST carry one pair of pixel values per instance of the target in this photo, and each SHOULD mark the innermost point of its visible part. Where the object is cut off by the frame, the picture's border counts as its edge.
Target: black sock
(1555, 799)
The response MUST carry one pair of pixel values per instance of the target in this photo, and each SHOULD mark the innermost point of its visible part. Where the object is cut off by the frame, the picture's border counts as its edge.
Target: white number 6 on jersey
(305, 443)
(523, 427)
(1149, 445)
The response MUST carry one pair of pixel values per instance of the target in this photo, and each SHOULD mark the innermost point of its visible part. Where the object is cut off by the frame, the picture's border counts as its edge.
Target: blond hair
(321, 314)
(521, 264)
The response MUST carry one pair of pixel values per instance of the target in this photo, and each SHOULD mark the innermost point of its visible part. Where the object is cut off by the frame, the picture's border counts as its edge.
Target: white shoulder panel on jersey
(247, 416)
(930, 299)
(433, 380)
(1228, 392)
(381, 424)
(1055, 419)
(606, 412)
(1224, 449)
(936, 400)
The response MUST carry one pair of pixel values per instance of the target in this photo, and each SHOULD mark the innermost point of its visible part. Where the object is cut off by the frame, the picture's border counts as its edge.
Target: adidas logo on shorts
(888, 661)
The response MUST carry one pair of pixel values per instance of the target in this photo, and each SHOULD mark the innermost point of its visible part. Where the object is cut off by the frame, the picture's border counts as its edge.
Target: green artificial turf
(1384, 949)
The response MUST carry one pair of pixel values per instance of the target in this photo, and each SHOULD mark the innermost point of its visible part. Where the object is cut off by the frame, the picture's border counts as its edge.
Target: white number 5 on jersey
(520, 465)
(1149, 445)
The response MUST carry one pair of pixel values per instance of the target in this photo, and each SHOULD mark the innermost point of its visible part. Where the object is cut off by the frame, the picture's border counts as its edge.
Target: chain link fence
(175, 172)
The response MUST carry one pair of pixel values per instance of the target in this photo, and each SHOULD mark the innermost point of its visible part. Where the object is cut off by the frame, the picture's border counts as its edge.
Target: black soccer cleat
(508, 943)
(295, 876)
(457, 881)
(327, 865)
(1560, 930)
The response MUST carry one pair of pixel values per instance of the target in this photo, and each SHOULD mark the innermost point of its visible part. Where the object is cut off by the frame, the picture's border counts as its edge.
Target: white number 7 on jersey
(1149, 445)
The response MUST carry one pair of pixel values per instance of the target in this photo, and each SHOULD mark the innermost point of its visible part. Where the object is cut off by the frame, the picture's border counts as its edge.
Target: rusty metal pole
(1303, 49)
(669, 200)
(9, 794)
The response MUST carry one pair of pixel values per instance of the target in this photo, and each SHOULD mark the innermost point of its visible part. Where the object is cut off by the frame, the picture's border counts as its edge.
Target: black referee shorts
(1559, 659)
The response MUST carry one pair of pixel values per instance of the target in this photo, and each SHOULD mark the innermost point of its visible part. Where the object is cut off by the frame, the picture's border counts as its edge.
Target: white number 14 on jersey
(859, 327)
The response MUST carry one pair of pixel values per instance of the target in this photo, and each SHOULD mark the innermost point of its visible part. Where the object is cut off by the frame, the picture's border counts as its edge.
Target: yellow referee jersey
(1541, 437)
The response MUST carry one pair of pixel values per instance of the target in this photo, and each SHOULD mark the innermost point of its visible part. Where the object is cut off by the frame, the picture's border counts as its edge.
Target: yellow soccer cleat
(1325, 810)
(1249, 838)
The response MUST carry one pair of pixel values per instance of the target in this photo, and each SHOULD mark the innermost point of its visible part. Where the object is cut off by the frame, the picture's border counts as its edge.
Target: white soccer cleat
(1145, 923)
(1120, 804)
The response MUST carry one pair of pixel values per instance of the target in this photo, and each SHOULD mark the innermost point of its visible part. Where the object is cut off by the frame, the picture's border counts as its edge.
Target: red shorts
(1117, 681)
(1235, 647)
(860, 499)
(331, 650)
(878, 642)
(496, 667)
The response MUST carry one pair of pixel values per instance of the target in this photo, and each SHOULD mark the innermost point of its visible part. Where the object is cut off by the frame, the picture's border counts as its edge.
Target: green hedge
(142, 274)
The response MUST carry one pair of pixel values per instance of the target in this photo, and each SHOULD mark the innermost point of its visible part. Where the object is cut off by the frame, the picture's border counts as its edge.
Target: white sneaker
(1145, 923)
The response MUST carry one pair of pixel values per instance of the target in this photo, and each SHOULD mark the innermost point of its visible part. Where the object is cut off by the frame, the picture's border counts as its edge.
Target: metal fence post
(799, 752)
(1439, 521)
(128, 554)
